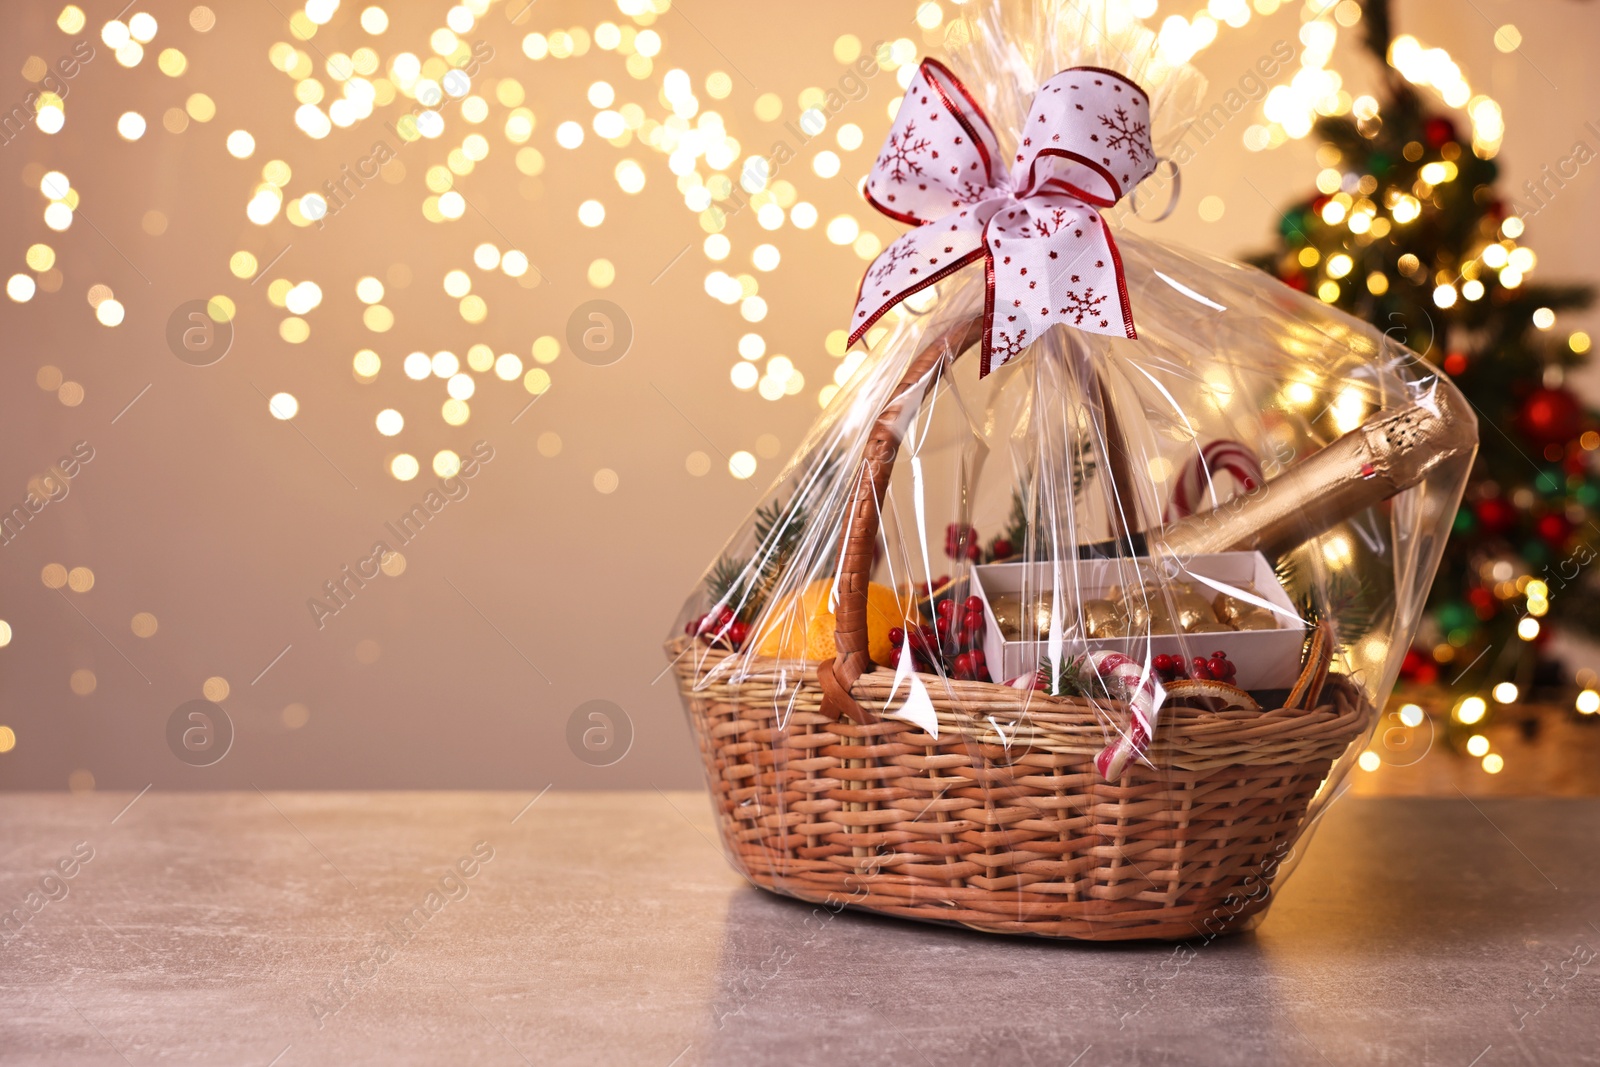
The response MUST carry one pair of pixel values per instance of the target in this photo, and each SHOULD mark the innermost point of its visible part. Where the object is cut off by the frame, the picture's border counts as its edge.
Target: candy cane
(1199, 474)
(1128, 680)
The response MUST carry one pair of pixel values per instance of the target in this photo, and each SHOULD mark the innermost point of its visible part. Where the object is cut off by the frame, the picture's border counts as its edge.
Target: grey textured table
(252, 928)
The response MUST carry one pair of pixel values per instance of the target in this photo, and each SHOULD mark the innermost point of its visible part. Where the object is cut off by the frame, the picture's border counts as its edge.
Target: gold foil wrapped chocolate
(1148, 609)
(1190, 610)
(1010, 611)
(1146, 612)
(1243, 615)
(1254, 618)
(1227, 608)
(1104, 618)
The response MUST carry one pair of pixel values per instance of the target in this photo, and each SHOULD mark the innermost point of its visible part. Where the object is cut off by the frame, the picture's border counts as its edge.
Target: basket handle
(860, 531)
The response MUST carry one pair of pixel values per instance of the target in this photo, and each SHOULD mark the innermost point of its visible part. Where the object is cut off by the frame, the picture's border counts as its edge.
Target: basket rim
(1027, 720)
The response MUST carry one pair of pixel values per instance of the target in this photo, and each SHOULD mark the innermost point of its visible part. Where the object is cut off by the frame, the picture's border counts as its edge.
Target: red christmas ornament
(1412, 665)
(1496, 516)
(1438, 132)
(1550, 417)
(1554, 529)
(1455, 363)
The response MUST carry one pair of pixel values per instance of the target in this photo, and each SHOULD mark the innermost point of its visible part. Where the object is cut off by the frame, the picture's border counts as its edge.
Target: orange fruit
(800, 626)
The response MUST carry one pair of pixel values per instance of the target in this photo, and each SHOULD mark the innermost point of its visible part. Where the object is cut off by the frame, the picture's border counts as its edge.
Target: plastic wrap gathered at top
(1066, 618)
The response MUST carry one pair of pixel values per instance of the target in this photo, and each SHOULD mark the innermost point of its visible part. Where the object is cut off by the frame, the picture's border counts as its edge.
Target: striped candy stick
(1128, 680)
(1193, 484)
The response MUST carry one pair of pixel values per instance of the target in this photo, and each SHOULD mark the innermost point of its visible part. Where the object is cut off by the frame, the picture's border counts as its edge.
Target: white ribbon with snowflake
(1048, 252)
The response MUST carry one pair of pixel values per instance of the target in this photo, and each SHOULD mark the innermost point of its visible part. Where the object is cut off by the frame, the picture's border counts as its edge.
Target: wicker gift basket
(1119, 717)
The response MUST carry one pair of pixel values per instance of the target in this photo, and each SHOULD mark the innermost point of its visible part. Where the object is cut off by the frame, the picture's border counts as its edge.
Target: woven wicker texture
(1001, 823)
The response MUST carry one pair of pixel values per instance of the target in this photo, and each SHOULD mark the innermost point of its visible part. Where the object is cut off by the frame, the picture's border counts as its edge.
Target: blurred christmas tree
(1408, 231)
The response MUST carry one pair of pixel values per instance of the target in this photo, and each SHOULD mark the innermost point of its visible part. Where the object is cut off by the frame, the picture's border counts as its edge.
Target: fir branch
(779, 531)
(745, 585)
(1072, 679)
(725, 583)
(1345, 600)
(1017, 525)
(1084, 464)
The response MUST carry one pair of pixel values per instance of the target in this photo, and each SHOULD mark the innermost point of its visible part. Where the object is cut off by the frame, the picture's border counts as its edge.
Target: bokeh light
(404, 467)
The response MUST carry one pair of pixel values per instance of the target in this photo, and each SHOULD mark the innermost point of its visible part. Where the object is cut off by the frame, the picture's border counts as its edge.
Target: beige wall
(534, 593)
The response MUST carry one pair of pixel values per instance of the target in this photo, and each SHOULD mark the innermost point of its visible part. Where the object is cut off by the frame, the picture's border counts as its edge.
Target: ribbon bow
(1048, 253)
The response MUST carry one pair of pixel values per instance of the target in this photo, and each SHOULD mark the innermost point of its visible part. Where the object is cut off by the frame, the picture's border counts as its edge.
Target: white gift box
(1265, 659)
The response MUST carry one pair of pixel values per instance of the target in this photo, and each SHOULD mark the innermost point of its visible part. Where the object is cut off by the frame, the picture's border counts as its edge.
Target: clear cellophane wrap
(1255, 471)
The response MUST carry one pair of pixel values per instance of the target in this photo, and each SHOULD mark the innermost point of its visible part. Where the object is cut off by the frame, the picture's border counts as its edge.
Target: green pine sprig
(745, 585)
(1345, 599)
(1070, 678)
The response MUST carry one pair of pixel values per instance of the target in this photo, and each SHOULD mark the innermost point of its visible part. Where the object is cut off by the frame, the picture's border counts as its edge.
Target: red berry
(1201, 669)
(1001, 548)
(897, 637)
(737, 633)
(941, 581)
(974, 603)
(945, 608)
(1218, 667)
(1162, 663)
(959, 539)
(725, 616)
(894, 656)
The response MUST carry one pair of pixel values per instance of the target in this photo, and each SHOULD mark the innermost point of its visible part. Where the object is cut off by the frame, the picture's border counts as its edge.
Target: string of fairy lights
(704, 125)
